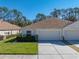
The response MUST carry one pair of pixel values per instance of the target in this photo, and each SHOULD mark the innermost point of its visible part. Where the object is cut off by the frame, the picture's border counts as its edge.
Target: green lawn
(19, 48)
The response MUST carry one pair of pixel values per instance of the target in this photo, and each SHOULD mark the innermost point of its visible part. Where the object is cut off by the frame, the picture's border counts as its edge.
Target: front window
(7, 33)
(28, 33)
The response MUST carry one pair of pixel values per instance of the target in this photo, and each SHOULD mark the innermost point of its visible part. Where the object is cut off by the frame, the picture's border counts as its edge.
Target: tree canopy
(71, 14)
(39, 17)
(14, 16)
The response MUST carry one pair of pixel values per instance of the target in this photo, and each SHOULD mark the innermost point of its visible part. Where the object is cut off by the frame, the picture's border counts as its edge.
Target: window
(7, 33)
(28, 33)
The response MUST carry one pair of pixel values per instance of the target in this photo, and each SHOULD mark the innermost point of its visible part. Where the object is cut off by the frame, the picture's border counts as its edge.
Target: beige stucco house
(49, 29)
(8, 29)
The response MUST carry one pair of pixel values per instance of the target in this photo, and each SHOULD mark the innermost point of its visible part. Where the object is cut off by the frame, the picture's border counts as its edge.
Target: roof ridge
(50, 23)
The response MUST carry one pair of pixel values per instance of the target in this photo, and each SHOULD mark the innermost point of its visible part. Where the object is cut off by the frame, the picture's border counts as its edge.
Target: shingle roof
(7, 26)
(49, 23)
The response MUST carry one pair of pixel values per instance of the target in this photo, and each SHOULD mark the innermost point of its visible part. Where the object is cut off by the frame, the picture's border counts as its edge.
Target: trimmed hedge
(20, 38)
(26, 39)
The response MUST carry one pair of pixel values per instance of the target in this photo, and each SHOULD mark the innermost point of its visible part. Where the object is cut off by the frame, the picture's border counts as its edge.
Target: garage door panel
(71, 35)
(48, 35)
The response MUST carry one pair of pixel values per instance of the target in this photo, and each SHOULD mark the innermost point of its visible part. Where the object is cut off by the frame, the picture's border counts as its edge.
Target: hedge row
(26, 39)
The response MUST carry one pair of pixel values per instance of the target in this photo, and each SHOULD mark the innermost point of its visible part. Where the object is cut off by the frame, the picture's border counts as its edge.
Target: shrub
(26, 39)
(20, 38)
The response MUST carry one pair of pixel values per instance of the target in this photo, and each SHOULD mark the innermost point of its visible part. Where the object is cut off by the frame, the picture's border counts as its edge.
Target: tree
(71, 15)
(71, 18)
(14, 16)
(56, 13)
(17, 18)
(39, 17)
(3, 12)
(76, 12)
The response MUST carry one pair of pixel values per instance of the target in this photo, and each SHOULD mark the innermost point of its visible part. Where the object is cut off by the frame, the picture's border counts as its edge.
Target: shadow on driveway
(60, 42)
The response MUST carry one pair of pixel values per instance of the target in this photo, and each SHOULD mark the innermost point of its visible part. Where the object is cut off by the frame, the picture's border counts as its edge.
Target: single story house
(71, 32)
(8, 29)
(49, 29)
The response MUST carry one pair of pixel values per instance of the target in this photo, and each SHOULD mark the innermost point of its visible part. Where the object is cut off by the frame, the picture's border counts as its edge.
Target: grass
(27, 48)
(5, 40)
(18, 48)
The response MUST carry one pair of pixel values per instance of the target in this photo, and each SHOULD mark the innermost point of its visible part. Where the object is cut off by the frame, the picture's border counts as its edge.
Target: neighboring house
(50, 29)
(8, 29)
(71, 32)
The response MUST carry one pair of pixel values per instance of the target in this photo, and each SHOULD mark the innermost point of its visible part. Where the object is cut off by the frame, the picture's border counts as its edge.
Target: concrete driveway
(56, 50)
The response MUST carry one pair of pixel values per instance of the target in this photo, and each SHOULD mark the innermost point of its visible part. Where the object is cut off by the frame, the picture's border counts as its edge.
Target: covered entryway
(49, 34)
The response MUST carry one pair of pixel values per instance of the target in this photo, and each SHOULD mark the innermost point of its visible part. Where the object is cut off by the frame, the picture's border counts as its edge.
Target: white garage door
(71, 34)
(49, 35)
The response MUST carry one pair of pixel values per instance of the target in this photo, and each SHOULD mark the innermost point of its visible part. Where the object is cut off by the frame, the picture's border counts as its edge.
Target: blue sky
(30, 8)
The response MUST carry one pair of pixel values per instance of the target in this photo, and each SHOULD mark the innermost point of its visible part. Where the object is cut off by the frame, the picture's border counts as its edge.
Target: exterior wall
(45, 34)
(4, 33)
(71, 34)
(15, 31)
(24, 32)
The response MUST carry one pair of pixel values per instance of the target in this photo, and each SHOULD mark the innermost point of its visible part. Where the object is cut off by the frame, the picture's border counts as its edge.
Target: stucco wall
(45, 34)
(24, 32)
(15, 31)
(10, 32)
(71, 34)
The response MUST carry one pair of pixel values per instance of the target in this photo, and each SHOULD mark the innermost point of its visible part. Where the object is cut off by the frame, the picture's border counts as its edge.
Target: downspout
(63, 31)
(62, 34)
